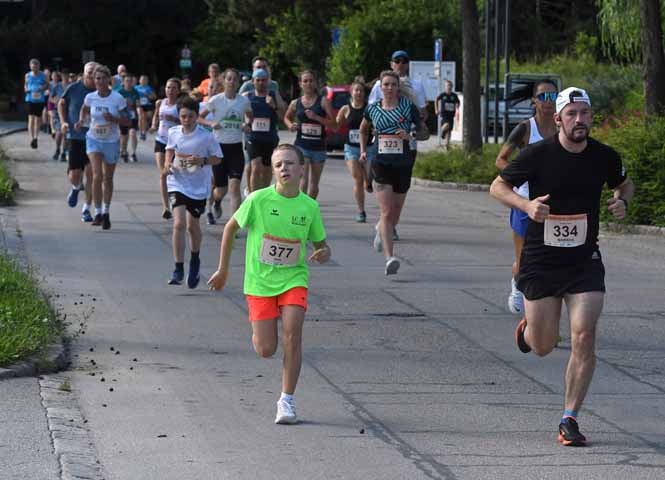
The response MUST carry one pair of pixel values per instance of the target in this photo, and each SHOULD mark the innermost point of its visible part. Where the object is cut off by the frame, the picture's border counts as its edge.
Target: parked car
(520, 106)
(338, 96)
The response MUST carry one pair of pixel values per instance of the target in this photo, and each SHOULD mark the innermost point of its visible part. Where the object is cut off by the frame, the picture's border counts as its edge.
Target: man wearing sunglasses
(533, 130)
(562, 262)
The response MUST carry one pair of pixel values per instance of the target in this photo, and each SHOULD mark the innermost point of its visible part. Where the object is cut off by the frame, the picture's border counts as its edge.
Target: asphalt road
(415, 376)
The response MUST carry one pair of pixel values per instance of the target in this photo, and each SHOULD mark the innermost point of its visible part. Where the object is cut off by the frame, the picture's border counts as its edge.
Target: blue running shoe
(73, 197)
(86, 217)
(177, 277)
(193, 276)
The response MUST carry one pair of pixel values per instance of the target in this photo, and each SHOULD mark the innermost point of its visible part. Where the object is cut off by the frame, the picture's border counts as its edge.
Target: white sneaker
(286, 413)
(378, 246)
(392, 265)
(515, 299)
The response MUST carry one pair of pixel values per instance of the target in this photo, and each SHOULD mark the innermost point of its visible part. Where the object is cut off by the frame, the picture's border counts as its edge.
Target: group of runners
(206, 140)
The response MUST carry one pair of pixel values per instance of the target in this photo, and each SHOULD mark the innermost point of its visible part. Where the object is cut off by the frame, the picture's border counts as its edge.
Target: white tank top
(162, 135)
(534, 136)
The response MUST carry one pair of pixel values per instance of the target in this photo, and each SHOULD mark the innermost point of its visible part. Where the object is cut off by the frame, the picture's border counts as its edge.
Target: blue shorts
(351, 152)
(110, 150)
(315, 156)
(518, 222)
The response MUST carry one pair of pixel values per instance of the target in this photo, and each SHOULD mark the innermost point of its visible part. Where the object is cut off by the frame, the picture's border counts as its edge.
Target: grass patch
(7, 182)
(27, 323)
(458, 166)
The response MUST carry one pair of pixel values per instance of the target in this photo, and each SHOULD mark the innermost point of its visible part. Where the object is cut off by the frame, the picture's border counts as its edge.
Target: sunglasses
(400, 60)
(547, 96)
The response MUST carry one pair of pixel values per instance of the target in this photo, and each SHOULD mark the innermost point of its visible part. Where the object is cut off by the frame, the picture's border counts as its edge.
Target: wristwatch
(205, 160)
(625, 202)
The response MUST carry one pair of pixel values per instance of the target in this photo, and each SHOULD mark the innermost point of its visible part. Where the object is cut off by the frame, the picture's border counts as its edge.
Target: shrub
(641, 144)
(459, 166)
(7, 182)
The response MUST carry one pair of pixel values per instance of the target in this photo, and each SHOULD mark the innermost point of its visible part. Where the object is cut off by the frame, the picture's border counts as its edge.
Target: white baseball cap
(570, 95)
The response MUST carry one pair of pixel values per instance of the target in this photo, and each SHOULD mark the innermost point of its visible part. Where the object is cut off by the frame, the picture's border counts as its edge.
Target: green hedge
(641, 143)
(7, 182)
(458, 166)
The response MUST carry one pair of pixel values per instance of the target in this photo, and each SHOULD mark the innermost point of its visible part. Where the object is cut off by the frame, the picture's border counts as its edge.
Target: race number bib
(261, 124)
(102, 131)
(565, 230)
(311, 129)
(181, 163)
(144, 101)
(279, 251)
(36, 95)
(232, 125)
(391, 145)
(354, 136)
(449, 107)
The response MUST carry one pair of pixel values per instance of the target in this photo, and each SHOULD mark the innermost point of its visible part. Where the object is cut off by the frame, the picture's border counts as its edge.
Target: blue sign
(438, 49)
(336, 36)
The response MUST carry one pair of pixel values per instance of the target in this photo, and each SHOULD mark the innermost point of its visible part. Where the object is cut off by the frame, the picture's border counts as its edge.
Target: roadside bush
(641, 143)
(27, 324)
(7, 182)
(459, 166)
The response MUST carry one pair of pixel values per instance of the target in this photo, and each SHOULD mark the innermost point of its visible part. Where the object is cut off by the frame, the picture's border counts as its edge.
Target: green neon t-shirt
(278, 231)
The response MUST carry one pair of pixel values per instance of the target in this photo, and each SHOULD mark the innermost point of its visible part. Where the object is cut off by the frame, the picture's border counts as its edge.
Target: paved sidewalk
(415, 376)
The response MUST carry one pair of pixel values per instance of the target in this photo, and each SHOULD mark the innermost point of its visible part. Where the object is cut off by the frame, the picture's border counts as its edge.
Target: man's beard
(570, 135)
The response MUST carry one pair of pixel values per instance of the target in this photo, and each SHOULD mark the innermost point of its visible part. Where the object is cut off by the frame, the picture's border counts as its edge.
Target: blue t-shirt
(35, 83)
(73, 97)
(144, 94)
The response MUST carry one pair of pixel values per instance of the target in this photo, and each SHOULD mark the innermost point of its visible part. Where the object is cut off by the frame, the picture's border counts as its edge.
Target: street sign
(438, 50)
(185, 63)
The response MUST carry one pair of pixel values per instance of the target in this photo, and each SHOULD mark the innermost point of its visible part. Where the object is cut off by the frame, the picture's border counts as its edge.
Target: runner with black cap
(561, 260)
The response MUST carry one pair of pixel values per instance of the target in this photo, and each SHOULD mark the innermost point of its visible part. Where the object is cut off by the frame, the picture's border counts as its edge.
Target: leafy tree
(373, 29)
(633, 31)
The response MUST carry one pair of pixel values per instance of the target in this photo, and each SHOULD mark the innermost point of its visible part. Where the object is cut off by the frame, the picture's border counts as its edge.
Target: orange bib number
(565, 231)
(279, 251)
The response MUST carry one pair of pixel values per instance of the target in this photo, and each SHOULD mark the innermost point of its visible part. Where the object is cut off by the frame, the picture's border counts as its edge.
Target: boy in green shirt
(281, 220)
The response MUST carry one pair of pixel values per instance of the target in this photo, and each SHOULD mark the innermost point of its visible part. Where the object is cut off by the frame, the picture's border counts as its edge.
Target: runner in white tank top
(540, 126)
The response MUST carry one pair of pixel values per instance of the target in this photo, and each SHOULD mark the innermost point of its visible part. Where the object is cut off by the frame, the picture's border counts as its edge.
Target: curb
(13, 130)
(54, 360)
(604, 226)
(72, 441)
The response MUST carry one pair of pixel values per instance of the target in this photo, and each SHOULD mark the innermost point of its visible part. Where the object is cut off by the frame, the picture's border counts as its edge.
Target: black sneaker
(166, 214)
(569, 433)
(56, 155)
(193, 276)
(125, 157)
(33, 143)
(97, 221)
(177, 277)
(519, 337)
(134, 159)
(63, 157)
(106, 221)
(211, 218)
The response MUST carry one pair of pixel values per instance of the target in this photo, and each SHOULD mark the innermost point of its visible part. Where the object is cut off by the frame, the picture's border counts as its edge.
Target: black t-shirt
(574, 182)
(447, 104)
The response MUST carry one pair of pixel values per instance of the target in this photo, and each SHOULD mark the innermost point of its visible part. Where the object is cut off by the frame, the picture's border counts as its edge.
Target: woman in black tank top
(309, 116)
(352, 115)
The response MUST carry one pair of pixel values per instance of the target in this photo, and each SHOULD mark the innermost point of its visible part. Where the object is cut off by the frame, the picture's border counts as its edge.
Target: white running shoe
(392, 265)
(286, 413)
(378, 246)
(515, 299)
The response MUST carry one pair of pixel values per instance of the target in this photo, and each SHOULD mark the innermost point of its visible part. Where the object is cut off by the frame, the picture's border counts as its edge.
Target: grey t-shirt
(73, 97)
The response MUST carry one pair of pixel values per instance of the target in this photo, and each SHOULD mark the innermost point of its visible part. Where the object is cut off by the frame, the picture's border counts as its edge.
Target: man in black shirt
(446, 107)
(561, 259)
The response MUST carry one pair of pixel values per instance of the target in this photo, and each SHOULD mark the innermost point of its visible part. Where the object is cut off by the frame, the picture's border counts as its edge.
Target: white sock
(106, 208)
(86, 206)
(77, 187)
(98, 210)
(286, 397)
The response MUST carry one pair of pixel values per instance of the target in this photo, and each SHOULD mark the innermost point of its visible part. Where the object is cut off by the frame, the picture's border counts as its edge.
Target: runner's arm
(155, 117)
(515, 141)
(25, 83)
(281, 105)
(169, 155)
(623, 194)
(62, 107)
(364, 136)
(218, 279)
(329, 120)
(321, 253)
(537, 209)
(290, 116)
(341, 115)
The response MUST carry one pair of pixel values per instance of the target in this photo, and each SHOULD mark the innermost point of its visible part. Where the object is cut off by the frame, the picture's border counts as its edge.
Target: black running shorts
(195, 207)
(231, 166)
(399, 177)
(261, 149)
(78, 159)
(35, 109)
(536, 281)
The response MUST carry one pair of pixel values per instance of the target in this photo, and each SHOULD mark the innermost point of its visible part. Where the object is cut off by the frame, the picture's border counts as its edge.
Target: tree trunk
(653, 58)
(471, 76)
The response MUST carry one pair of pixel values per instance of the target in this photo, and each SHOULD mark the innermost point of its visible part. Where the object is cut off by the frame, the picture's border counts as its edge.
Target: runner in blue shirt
(35, 86)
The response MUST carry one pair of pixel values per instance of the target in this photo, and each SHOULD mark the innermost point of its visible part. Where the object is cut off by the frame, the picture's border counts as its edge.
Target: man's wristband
(205, 160)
